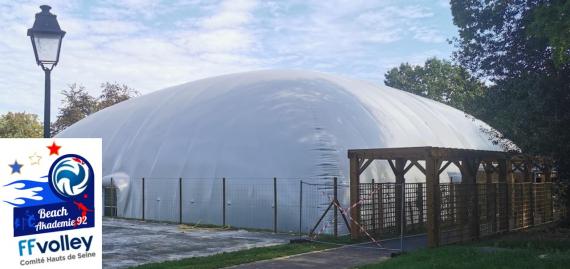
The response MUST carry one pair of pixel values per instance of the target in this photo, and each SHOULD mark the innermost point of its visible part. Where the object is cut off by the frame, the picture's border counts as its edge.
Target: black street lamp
(46, 36)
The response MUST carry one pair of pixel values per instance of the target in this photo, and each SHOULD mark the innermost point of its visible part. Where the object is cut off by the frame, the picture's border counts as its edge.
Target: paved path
(130, 242)
(339, 258)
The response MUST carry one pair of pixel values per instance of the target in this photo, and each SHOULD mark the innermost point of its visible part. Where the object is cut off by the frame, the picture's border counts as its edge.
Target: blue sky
(153, 44)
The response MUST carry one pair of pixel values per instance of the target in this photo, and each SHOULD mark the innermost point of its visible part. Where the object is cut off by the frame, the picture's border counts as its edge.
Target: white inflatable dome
(259, 125)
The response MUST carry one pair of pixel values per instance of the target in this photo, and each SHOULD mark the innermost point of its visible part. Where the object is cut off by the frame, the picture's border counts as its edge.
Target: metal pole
(335, 197)
(47, 103)
(275, 205)
(143, 198)
(180, 199)
(300, 207)
(224, 202)
(113, 201)
(402, 217)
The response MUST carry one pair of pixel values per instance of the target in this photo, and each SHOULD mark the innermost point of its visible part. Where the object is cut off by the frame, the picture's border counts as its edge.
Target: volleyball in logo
(70, 175)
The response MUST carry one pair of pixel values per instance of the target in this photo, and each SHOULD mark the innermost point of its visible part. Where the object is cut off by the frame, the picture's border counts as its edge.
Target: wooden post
(380, 208)
(143, 198)
(547, 171)
(504, 216)
(354, 197)
(530, 181)
(433, 201)
(491, 197)
(453, 202)
(472, 168)
(275, 205)
(400, 209)
(224, 202)
(420, 202)
(180, 199)
(335, 212)
(373, 189)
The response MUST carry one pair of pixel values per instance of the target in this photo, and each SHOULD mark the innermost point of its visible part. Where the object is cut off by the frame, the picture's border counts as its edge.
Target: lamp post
(46, 36)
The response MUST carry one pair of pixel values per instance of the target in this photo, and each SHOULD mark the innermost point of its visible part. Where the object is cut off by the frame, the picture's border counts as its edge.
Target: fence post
(275, 205)
(113, 199)
(551, 198)
(300, 207)
(373, 189)
(335, 197)
(532, 201)
(143, 198)
(380, 208)
(402, 214)
(224, 202)
(180, 199)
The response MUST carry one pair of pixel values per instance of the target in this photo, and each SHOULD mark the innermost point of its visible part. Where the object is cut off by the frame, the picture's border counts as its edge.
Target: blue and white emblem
(70, 175)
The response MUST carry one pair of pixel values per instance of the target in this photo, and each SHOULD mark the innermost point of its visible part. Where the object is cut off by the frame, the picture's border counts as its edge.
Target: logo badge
(70, 176)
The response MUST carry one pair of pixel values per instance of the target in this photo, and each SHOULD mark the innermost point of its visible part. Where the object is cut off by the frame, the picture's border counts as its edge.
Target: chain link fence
(274, 204)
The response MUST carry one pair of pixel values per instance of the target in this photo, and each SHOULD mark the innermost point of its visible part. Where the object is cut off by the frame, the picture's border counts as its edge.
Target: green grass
(535, 249)
(238, 257)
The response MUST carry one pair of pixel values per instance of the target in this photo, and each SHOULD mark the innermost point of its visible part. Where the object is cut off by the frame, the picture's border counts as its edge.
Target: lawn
(238, 257)
(548, 248)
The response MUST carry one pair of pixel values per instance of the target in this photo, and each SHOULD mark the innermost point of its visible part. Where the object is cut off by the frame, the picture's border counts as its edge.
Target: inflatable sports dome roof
(265, 124)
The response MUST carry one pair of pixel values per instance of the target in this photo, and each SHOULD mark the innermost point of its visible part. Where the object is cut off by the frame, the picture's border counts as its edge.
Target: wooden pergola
(436, 160)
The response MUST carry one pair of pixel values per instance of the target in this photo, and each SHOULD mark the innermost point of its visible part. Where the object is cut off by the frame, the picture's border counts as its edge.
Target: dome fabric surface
(265, 124)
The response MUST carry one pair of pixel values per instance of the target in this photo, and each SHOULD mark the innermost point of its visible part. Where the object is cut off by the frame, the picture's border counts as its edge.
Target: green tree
(78, 103)
(521, 47)
(551, 21)
(113, 93)
(20, 125)
(439, 80)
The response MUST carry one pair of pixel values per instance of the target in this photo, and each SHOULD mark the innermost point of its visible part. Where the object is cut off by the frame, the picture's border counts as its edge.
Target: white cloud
(152, 44)
(427, 34)
(231, 14)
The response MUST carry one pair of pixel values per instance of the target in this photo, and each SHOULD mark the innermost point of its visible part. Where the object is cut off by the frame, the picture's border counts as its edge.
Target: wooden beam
(461, 168)
(419, 166)
(364, 166)
(433, 201)
(421, 153)
(354, 197)
(394, 170)
(410, 165)
(444, 167)
(491, 192)
(504, 199)
(471, 166)
(400, 209)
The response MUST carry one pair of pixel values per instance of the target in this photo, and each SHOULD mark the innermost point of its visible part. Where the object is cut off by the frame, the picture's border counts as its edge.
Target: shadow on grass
(548, 248)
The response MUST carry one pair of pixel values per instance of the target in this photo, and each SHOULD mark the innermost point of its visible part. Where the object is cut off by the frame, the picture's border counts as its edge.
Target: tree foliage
(521, 47)
(551, 21)
(78, 103)
(20, 125)
(439, 80)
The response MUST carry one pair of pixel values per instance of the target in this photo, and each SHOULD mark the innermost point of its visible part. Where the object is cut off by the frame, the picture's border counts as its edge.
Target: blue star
(16, 167)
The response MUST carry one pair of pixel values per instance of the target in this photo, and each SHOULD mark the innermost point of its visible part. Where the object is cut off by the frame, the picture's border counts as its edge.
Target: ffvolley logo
(49, 196)
(67, 203)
